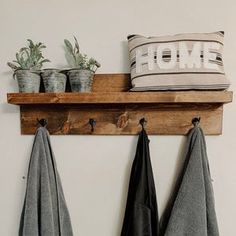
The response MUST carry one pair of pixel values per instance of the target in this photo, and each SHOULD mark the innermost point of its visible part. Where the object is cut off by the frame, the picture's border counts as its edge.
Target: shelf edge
(121, 98)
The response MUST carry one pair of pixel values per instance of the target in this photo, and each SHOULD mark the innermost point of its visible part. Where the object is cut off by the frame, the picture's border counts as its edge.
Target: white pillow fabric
(178, 62)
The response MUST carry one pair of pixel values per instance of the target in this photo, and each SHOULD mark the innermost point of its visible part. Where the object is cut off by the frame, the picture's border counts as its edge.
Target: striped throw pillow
(177, 62)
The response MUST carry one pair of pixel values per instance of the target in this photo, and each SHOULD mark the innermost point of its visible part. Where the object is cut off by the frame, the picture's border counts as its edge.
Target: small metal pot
(28, 81)
(81, 80)
(54, 81)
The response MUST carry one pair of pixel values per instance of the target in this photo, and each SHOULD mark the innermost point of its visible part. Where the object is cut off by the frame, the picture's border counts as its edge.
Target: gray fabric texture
(193, 212)
(44, 212)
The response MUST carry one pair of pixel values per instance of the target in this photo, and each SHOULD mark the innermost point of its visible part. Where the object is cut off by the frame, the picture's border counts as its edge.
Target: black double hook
(92, 122)
(196, 120)
(42, 122)
(143, 122)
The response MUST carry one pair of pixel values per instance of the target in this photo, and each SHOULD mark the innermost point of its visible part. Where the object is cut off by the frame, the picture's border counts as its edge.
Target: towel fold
(192, 210)
(141, 216)
(44, 212)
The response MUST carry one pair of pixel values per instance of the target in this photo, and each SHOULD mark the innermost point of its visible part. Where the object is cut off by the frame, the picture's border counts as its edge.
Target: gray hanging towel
(44, 212)
(141, 216)
(193, 212)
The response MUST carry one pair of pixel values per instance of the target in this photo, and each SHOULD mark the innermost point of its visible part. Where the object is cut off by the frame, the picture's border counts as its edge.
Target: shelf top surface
(121, 97)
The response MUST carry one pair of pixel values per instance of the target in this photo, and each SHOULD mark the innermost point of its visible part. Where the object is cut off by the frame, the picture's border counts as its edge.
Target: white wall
(95, 170)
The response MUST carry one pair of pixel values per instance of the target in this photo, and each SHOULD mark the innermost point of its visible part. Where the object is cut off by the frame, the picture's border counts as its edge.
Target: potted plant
(54, 80)
(29, 61)
(82, 69)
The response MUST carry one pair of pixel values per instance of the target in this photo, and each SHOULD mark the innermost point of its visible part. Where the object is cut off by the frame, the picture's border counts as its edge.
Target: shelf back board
(118, 111)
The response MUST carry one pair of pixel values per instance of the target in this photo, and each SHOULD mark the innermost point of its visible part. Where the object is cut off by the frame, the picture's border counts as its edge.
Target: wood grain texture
(111, 83)
(118, 111)
(122, 120)
(120, 97)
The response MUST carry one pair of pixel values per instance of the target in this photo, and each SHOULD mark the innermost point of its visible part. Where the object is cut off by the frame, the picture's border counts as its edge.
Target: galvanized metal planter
(81, 80)
(28, 81)
(54, 80)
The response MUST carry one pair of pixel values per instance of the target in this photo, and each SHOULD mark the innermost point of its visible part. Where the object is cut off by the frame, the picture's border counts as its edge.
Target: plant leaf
(13, 66)
(45, 60)
(31, 44)
(68, 45)
(76, 45)
(97, 64)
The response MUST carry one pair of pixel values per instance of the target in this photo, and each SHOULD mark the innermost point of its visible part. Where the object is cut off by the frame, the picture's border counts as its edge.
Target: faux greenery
(75, 59)
(29, 57)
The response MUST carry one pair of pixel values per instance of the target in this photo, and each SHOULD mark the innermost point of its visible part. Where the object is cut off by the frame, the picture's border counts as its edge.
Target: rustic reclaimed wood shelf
(119, 112)
(120, 98)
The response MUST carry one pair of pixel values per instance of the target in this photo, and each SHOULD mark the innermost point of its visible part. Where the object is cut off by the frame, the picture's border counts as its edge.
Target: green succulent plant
(76, 59)
(29, 57)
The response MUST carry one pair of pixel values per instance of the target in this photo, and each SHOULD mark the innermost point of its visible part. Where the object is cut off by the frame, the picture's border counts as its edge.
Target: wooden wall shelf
(120, 98)
(119, 112)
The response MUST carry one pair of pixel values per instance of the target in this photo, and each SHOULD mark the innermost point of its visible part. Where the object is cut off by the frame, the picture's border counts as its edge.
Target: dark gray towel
(141, 215)
(44, 212)
(193, 210)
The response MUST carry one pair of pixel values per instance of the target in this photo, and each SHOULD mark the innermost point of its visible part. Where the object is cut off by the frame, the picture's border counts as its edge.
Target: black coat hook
(196, 120)
(143, 122)
(92, 122)
(42, 122)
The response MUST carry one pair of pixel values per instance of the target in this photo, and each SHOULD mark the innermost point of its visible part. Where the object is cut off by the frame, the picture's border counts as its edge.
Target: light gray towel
(44, 212)
(193, 210)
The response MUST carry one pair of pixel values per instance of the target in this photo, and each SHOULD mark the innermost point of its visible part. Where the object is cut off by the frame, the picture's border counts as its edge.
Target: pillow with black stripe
(177, 62)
